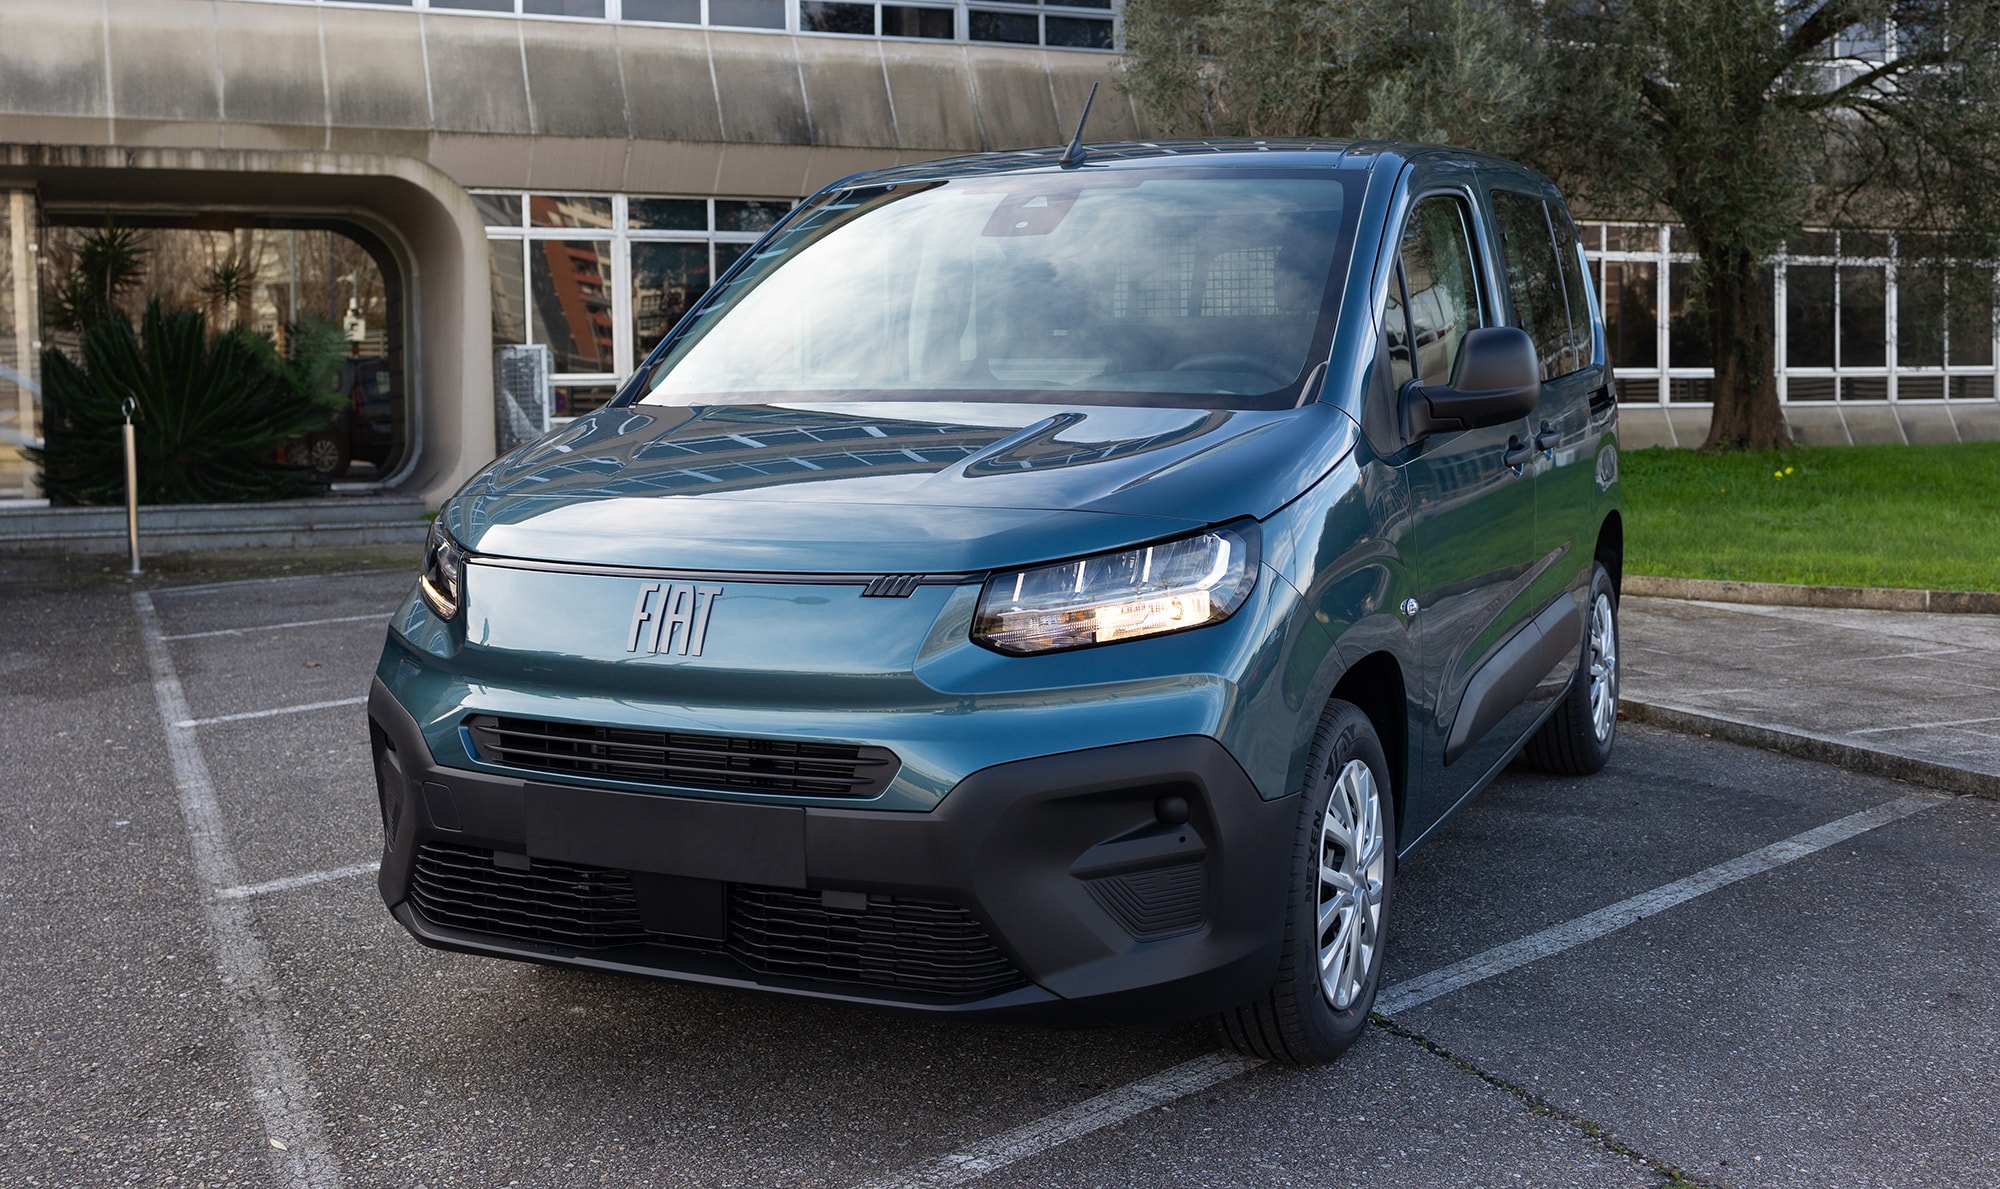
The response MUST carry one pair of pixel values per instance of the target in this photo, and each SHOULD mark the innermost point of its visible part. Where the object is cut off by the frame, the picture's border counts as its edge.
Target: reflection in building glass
(510, 301)
(666, 280)
(1631, 313)
(1809, 315)
(569, 210)
(1687, 320)
(572, 291)
(1864, 315)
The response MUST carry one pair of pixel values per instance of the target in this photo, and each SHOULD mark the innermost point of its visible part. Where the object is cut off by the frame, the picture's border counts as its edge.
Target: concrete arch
(426, 218)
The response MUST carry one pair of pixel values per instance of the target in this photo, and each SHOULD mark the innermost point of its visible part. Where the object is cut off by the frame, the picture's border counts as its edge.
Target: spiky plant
(211, 416)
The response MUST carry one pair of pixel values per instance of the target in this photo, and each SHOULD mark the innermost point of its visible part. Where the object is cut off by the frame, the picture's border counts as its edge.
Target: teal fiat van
(1035, 586)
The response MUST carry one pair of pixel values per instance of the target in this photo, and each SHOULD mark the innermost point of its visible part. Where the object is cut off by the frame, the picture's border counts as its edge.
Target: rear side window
(1569, 254)
(1534, 280)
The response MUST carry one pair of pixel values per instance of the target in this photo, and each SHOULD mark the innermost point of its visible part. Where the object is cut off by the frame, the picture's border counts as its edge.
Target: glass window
(1808, 315)
(1920, 306)
(1185, 288)
(1534, 279)
(499, 210)
(737, 215)
(1080, 33)
(476, 5)
(1971, 316)
(1687, 319)
(728, 254)
(510, 301)
(564, 8)
(901, 21)
(569, 210)
(815, 16)
(1396, 333)
(1864, 316)
(750, 14)
(1631, 313)
(666, 280)
(684, 12)
(571, 280)
(667, 214)
(1442, 290)
(1020, 28)
(1569, 255)
(574, 400)
(1631, 237)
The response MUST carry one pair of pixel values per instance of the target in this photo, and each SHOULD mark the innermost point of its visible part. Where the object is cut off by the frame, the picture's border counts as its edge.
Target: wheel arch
(1375, 684)
(1610, 551)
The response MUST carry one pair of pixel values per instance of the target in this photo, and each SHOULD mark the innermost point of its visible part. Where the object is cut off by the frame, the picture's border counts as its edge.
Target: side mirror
(1497, 379)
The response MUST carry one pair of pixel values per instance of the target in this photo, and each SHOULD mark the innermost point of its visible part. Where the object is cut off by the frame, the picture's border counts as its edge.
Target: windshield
(1203, 289)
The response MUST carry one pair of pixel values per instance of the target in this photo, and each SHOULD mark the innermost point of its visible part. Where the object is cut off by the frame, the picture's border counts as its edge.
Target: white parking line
(1925, 726)
(245, 891)
(382, 616)
(271, 713)
(279, 1090)
(199, 588)
(1115, 1106)
(1591, 926)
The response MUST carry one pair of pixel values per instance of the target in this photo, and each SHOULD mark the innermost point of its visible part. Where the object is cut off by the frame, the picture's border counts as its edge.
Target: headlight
(444, 571)
(1154, 589)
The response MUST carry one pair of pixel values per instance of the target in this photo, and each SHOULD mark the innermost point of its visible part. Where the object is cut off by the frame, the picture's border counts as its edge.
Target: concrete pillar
(20, 343)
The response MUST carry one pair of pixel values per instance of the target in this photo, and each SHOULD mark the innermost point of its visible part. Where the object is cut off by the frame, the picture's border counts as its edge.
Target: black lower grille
(894, 941)
(555, 903)
(927, 947)
(684, 761)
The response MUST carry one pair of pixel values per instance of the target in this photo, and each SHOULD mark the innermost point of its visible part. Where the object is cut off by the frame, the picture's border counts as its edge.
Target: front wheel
(1336, 917)
(1576, 740)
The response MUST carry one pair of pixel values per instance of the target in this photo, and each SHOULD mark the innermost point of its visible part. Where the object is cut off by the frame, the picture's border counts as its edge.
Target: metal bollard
(131, 489)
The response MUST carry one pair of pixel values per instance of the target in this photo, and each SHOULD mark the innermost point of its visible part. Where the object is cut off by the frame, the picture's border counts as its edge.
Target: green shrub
(211, 415)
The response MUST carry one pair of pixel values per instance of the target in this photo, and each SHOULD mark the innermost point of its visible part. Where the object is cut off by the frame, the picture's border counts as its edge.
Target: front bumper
(1141, 881)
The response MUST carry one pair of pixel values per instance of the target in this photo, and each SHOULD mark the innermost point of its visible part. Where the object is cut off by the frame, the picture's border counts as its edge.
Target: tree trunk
(1746, 416)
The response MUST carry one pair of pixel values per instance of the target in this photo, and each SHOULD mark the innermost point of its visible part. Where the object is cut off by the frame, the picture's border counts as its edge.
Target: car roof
(1220, 152)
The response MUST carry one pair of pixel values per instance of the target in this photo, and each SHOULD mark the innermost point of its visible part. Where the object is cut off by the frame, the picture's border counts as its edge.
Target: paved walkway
(1918, 691)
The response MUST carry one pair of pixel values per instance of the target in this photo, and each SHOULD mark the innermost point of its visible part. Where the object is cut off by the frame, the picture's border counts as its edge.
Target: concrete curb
(1809, 746)
(1786, 594)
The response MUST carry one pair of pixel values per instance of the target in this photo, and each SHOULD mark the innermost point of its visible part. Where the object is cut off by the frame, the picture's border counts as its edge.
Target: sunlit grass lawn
(1925, 517)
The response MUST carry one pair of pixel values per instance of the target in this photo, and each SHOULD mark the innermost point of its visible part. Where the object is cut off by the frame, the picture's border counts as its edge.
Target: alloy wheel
(1353, 858)
(1603, 667)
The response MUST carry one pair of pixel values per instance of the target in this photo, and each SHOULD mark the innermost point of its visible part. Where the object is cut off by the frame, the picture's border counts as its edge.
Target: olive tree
(1744, 121)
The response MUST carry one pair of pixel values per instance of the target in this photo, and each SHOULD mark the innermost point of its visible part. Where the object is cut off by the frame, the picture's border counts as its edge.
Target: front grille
(895, 941)
(711, 762)
(926, 947)
(554, 903)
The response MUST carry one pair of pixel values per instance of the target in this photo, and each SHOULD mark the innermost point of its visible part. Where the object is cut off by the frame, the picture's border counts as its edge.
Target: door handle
(1518, 455)
(1547, 441)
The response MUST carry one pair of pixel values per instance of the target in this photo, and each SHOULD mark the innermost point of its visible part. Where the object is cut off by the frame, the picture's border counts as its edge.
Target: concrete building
(447, 177)
(569, 172)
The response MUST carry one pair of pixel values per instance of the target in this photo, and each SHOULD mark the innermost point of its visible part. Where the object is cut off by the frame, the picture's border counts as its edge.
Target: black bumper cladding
(1137, 882)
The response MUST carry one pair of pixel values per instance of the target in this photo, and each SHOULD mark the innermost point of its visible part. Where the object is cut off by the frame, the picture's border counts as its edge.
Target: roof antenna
(1073, 156)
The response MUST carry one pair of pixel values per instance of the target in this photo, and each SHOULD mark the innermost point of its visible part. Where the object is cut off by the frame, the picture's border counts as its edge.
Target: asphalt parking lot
(1708, 965)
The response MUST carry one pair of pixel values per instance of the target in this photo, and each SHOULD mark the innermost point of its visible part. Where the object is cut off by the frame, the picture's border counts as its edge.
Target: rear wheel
(1336, 917)
(1576, 740)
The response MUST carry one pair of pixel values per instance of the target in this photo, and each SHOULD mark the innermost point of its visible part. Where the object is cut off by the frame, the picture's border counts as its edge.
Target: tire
(1576, 740)
(1305, 1019)
(323, 452)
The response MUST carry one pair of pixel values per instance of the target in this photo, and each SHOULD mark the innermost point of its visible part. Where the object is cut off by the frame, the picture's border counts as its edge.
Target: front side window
(1534, 279)
(1191, 288)
(1443, 289)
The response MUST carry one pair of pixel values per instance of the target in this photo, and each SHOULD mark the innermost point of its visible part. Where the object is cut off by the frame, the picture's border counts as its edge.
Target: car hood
(885, 488)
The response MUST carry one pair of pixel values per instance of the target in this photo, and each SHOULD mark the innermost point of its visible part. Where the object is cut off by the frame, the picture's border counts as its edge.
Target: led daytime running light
(1154, 589)
(443, 579)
